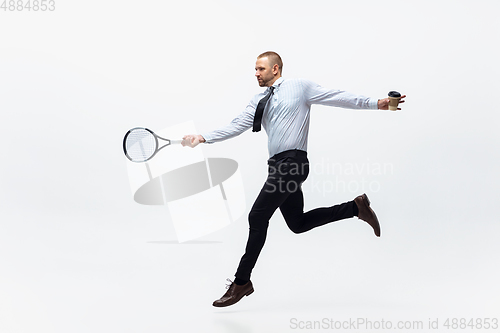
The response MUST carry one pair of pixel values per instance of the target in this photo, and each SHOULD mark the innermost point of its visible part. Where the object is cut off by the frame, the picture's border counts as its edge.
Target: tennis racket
(141, 144)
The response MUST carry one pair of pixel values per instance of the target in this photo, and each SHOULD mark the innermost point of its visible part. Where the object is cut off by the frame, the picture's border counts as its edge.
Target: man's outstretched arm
(316, 94)
(238, 125)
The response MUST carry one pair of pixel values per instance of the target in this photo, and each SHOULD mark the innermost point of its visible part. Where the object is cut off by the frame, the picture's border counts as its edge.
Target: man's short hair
(274, 59)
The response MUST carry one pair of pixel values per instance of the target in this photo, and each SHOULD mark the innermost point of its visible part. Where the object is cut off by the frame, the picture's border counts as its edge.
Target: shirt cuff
(373, 104)
(207, 138)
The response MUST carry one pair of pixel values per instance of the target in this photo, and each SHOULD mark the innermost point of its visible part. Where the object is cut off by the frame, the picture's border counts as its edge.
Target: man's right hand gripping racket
(141, 144)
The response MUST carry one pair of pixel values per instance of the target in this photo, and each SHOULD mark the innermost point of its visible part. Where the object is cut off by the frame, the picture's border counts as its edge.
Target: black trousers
(282, 189)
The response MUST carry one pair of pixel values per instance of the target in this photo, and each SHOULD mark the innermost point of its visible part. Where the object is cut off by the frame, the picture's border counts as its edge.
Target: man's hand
(192, 140)
(383, 104)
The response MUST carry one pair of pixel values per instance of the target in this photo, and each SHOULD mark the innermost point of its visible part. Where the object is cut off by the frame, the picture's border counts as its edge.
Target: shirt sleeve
(316, 94)
(238, 125)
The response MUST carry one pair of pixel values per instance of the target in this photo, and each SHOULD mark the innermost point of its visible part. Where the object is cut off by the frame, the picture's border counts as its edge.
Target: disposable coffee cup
(394, 98)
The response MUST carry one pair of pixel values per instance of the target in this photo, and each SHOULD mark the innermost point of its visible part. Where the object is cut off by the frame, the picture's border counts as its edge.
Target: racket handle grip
(175, 142)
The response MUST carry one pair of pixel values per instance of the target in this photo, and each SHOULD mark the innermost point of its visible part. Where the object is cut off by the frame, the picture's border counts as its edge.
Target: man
(283, 110)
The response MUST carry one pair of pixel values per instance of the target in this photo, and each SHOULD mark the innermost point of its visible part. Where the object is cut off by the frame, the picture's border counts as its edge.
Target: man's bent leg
(298, 221)
(279, 185)
(269, 199)
(265, 205)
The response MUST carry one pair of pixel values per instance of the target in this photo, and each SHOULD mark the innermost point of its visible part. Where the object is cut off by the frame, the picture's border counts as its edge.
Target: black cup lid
(394, 94)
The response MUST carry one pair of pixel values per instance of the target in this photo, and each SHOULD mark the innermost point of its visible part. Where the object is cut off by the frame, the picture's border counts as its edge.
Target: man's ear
(276, 69)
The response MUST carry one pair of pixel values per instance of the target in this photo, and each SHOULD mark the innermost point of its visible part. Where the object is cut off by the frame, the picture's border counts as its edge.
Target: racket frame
(156, 136)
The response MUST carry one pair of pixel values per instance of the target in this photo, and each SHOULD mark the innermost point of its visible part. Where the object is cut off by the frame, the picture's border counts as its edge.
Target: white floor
(89, 274)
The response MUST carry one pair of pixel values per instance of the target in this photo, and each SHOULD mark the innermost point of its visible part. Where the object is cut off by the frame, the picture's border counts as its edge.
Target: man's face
(264, 73)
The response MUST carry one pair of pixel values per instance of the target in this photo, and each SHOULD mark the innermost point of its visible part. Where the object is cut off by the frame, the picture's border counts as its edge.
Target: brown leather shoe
(234, 294)
(366, 213)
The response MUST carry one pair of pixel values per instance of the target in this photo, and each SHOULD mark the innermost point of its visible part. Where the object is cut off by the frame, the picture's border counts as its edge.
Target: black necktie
(260, 110)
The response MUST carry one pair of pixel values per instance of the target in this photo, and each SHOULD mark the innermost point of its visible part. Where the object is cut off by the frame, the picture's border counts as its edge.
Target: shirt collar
(278, 82)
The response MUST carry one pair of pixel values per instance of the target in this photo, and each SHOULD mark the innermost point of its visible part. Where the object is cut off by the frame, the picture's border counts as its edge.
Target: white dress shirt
(286, 116)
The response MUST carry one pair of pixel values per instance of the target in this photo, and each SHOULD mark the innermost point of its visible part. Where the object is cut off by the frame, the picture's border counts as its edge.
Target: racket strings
(140, 145)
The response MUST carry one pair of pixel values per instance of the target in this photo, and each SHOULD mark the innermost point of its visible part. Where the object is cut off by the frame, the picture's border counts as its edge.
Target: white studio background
(78, 255)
